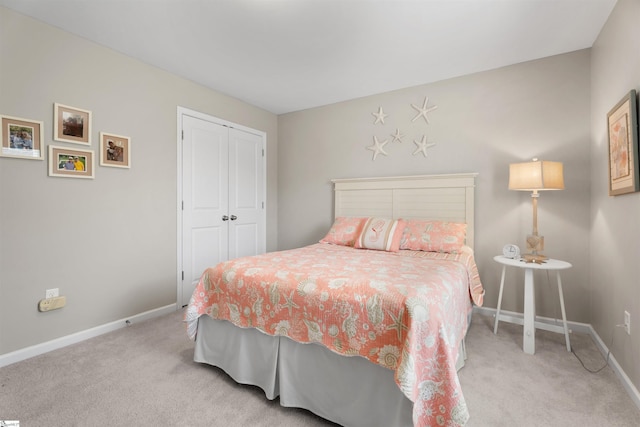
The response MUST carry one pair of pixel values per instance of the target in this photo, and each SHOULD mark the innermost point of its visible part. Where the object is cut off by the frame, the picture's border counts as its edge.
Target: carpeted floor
(503, 386)
(144, 375)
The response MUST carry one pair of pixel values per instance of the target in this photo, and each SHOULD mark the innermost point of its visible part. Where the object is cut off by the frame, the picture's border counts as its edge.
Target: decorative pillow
(344, 231)
(383, 234)
(433, 236)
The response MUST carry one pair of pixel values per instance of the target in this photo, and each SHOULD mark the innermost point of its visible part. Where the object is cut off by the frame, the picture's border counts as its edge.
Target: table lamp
(535, 176)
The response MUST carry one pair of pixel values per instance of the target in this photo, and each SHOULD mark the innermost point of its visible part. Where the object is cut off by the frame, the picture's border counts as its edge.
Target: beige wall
(483, 122)
(108, 244)
(615, 221)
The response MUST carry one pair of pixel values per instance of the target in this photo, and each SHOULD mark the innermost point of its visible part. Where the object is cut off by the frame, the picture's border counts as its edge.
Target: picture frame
(22, 138)
(71, 124)
(70, 162)
(622, 130)
(115, 150)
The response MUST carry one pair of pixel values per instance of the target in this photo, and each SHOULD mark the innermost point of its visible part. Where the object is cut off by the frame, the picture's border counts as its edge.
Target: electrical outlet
(52, 293)
(627, 322)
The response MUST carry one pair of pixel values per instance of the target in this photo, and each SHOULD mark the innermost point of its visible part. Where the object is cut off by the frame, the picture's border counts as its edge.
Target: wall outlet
(627, 322)
(52, 293)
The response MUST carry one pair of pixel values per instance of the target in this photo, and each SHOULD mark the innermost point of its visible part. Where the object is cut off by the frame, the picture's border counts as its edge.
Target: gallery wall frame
(22, 138)
(622, 130)
(70, 162)
(115, 150)
(71, 124)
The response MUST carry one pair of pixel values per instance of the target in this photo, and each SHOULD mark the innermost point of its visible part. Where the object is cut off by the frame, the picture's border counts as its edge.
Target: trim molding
(617, 369)
(45, 347)
(583, 328)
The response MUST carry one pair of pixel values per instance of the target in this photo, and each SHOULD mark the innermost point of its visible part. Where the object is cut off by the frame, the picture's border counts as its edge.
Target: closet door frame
(181, 112)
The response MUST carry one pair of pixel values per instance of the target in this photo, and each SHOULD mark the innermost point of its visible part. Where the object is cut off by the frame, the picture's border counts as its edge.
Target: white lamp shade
(536, 176)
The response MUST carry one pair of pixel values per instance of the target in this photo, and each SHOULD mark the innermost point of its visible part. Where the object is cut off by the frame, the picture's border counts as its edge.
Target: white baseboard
(45, 347)
(617, 369)
(583, 328)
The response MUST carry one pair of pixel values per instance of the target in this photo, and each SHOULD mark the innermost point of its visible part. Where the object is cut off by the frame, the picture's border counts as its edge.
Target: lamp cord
(555, 313)
(606, 362)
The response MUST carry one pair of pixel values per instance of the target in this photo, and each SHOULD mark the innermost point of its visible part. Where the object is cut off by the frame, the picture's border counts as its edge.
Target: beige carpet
(144, 376)
(505, 387)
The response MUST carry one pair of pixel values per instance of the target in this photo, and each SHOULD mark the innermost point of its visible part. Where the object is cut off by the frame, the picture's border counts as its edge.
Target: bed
(352, 328)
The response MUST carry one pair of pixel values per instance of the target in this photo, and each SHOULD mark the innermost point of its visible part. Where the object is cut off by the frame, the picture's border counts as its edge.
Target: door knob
(225, 218)
(233, 217)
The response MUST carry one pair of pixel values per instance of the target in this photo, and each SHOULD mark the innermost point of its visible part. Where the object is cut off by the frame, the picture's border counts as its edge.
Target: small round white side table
(529, 322)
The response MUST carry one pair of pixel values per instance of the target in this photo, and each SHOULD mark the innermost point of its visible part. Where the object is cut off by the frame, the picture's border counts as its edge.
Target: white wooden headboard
(441, 197)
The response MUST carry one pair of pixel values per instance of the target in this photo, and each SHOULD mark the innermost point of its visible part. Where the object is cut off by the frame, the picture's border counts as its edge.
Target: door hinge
(183, 135)
(263, 152)
(262, 205)
(183, 275)
(183, 205)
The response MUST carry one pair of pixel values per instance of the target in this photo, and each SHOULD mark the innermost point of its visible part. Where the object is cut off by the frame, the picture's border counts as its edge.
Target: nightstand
(529, 322)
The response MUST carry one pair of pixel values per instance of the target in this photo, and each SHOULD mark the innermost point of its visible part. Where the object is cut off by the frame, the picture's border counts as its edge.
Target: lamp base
(534, 258)
(535, 243)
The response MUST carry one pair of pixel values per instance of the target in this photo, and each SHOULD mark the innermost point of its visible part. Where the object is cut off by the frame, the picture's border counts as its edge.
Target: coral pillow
(344, 231)
(383, 234)
(433, 236)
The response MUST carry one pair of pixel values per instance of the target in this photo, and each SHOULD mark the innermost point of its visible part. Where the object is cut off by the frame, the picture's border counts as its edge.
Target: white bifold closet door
(223, 201)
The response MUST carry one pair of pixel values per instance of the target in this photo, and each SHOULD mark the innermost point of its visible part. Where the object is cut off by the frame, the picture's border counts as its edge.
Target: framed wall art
(71, 124)
(115, 150)
(22, 138)
(622, 125)
(70, 162)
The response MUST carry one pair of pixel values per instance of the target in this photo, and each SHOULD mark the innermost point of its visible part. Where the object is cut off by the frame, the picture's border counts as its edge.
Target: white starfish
(422, 112)
(377, 147)
(422, 146)
(397, 136)
(380, 115)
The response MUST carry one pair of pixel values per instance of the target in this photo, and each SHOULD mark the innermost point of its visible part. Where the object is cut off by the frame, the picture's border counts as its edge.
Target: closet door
(205, 192)
(246, 200)
(223, 211)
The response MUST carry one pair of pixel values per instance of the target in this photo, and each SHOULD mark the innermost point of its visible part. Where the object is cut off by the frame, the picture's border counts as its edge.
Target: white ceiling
(289, 55)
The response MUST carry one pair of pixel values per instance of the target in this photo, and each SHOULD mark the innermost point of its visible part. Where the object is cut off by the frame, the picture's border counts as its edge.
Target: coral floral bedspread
(406, 311)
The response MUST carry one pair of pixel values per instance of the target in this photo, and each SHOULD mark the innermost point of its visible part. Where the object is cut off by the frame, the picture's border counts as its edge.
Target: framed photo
(115, 150)
(22, 138)
(71, 124)
(70, 163)
(622, 125)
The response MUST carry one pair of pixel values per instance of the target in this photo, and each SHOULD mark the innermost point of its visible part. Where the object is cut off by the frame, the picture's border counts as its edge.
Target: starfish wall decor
(380, 115)
(378, 147)
(397, 137)
(423, 145)
(424, 110)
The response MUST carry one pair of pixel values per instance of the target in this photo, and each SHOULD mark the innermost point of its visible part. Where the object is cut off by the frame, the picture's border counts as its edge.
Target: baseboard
(583, 328)
(45, 347)
(617, 369)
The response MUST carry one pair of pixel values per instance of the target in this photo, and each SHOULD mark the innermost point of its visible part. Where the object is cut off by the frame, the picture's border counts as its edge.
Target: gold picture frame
(622, 129)
(115, 150)
(70, 162)
(71, 124)
(22, 138)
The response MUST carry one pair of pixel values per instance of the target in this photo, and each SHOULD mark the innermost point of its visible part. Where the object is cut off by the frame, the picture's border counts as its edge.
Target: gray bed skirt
(350, 391)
